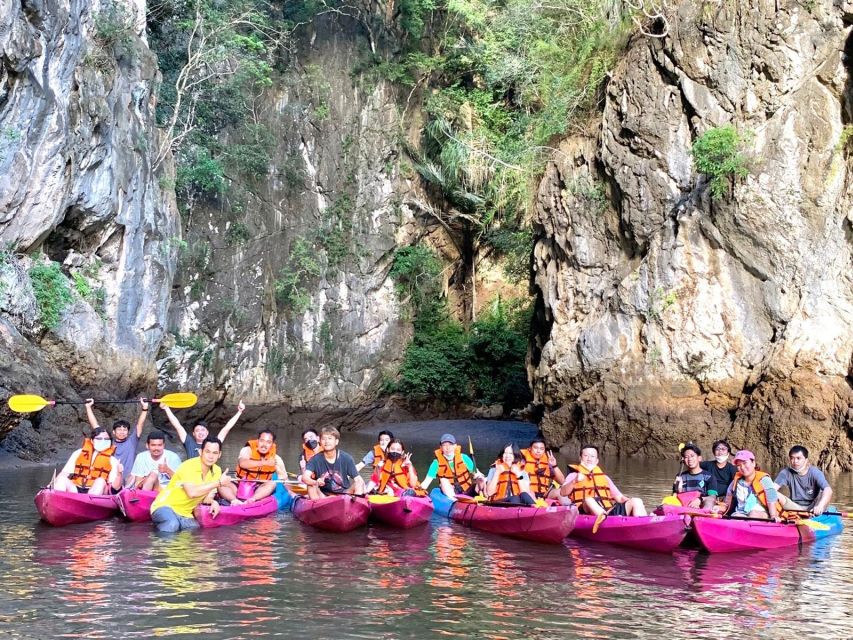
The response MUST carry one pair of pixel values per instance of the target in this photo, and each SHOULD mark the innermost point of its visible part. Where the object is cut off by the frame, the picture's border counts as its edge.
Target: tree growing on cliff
(718, 153)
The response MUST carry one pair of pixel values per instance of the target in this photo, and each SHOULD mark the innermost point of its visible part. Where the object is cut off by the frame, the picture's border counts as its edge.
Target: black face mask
(312, 444)
(394, 456)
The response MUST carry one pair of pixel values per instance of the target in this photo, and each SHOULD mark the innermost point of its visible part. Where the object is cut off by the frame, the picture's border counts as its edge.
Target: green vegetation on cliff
(52, 292)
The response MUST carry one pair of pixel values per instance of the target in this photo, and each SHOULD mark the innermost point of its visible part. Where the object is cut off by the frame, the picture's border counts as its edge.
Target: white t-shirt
(145, 464)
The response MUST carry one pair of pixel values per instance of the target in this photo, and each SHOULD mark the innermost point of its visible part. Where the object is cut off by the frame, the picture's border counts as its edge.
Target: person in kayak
(153, 468)
(722, 471)
(200, 431)
(541, 466)
(333, 471)
(593, 492)
(752, 493)
(455, 471)
(695, 480)
(310, 447)
(257, 462)
(397, 475)
(91, 469)
(194, 482)
(806, 485)
(376, 455)
(507, 480)
(125, 441)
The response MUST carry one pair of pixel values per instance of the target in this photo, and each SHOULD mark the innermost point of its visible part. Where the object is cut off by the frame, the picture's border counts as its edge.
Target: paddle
(471, 451)
(32, 403)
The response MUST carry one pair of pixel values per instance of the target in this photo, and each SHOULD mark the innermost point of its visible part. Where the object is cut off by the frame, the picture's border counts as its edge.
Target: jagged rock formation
(669, 316)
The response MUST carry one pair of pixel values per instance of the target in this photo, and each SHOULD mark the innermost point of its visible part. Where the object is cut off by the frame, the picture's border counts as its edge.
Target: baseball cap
(448, 437)
(743, 454)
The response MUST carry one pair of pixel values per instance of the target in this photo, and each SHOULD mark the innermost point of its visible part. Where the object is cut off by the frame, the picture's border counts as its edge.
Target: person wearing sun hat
(752, 493)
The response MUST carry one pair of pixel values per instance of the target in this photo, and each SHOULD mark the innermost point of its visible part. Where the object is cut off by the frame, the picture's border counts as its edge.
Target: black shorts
(618, 509)
(471, 492)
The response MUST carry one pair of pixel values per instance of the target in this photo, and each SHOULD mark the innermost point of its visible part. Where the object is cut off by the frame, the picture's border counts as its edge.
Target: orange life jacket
(507, 484)
(540, 473)
(394, 472)
(459, 474)
(91, 465)
(261, 473)
(307, 453)
(595, 486)
(757, 487)
(378, 456)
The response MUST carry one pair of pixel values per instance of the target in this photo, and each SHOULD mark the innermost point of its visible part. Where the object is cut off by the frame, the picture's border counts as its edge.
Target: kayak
(337, 513)
(135, 504)
(404, 512)
(60, 508)
(442, 505)
(234, 514)
(724, 535)
(538, 524)
(651, 533)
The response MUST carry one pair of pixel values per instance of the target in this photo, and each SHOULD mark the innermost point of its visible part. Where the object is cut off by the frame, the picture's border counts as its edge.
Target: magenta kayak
(60, 508)
(335, 513)
(232, 514)
(652, 533)
(538, 524)
(724, 535)
(404, 513)
(135, 504)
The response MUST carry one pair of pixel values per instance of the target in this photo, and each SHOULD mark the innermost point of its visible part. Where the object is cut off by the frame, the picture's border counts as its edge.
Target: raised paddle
(32, 403)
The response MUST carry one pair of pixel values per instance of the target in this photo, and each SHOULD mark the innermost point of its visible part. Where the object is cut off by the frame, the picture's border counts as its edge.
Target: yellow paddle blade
(27, 403)
(814, 524)
(671, 500)
(382, 499)
(178, 400)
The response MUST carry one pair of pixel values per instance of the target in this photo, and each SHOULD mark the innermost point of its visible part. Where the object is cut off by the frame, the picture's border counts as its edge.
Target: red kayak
(404, 513)
(538, 524)
(233, 514)
(337, 513)
(60, 508)
(723, 535)
(652, 533)
(135, 504)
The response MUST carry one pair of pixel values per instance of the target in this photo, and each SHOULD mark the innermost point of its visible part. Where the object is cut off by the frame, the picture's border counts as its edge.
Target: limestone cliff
(667, 315)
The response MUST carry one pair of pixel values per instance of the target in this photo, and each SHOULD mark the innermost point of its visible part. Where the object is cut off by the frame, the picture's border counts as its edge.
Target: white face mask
(722, 459)
(102, 445)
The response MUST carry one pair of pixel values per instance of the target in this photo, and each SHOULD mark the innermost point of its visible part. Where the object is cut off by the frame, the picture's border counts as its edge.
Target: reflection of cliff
(669, 316)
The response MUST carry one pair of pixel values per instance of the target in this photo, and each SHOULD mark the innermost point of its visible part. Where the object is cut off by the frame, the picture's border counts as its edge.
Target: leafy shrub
(198, 171)
(238, 233)
(52, 292)
(718, 154)
(291, 286)
(416, 273)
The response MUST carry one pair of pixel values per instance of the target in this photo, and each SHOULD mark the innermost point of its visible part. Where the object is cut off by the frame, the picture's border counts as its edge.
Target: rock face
(77, 135)
(667, 315)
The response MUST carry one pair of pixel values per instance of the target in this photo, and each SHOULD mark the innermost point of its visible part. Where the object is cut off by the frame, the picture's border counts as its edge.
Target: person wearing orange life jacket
(455, 471)
(752, 493)
(377, 454)
(507, 480)
(397, 475)
(256, 463)
(310, 446)
(593, 492)
(91, 469)
(541, 466)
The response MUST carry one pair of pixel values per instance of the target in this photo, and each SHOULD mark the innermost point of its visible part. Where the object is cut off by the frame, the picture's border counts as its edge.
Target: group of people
(524, 476)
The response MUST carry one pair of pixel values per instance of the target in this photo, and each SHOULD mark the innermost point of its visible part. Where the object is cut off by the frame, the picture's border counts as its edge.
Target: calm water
(275, 577)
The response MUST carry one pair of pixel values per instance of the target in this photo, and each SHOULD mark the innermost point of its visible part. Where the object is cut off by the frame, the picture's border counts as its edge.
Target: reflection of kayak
(722, 535)
(233, 514)
(135, 504)
(538, 524)
(60, 508)
(404, 512)
(337, 513)
(652, 533)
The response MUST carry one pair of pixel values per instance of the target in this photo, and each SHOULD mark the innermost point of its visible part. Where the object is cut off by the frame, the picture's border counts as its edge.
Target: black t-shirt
(720, 478)
(339, 472)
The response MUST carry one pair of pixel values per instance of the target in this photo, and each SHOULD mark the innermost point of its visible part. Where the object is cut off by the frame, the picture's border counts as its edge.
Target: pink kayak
(652, 533)
(233, 514)
(135, 504)
(60, 508)
(723, 535)
(336, 513)
(538, 524)
(404, 513)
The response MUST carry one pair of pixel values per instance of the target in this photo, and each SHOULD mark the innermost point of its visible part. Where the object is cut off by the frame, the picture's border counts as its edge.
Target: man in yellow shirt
(195, 481)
